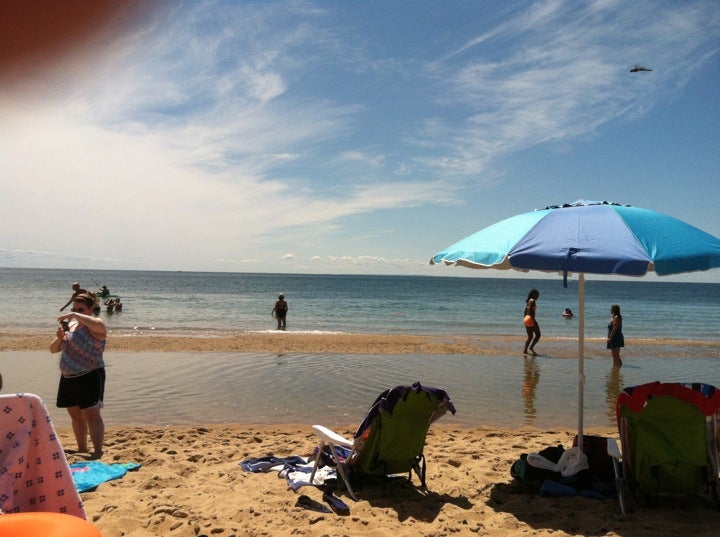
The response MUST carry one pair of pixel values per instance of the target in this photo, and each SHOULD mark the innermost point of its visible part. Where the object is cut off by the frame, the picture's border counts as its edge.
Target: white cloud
(217, 132)
(166, 156)
(563, 73)
(362, 158)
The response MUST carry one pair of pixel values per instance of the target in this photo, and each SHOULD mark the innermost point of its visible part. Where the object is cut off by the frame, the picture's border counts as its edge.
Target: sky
(345, 137)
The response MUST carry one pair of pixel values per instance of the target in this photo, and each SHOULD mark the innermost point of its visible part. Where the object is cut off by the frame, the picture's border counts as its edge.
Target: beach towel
(271, 463)
(34, 473)
(595, 491)
(299, 476)
(295, 469)
(88, 475)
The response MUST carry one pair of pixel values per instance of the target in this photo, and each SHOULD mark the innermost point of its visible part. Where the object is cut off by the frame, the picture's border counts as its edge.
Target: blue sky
(354, 137)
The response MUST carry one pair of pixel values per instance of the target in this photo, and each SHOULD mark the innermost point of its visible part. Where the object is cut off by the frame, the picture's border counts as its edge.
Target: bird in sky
(639, 68)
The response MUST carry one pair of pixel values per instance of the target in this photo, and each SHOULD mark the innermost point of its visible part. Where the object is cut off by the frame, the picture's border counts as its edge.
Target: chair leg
(614, 452)
(712, 436)
(620, 486)
(317, 460)
(342, 470)
(420, 468)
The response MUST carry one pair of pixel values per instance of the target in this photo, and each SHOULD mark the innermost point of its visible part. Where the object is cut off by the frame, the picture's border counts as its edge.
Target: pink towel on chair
(34, 473)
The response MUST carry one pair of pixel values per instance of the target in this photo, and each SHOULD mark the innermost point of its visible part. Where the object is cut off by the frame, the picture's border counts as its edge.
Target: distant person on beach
(110, 303)
(531, 325)
(80, 338)
(567, 313)
(118, 304)
(104, 292)
(280, 312)
(76, 291)
(615, 339)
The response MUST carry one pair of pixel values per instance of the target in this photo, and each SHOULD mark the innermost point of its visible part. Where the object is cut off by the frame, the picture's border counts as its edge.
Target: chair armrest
(612, 449)
(331, 437)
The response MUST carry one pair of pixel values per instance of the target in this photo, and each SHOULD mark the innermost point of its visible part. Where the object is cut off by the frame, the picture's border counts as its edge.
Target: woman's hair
(86, 298)
(615, 309)
(534, 293)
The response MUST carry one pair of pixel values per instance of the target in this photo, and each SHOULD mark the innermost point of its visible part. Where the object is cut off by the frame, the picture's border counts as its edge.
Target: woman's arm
(55, 345)
(617, 323)
(94, 324)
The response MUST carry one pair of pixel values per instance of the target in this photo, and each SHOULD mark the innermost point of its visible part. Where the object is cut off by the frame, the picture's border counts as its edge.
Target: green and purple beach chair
(391, 438)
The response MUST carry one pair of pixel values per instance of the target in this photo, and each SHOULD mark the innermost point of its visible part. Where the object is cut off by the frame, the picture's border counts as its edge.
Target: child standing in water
(531, 325)
(615, 339)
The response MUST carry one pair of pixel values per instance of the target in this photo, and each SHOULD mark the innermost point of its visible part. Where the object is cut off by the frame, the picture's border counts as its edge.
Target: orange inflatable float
(40, 524)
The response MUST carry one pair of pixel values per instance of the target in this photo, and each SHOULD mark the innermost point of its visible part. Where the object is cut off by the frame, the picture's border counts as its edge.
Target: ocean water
(206, 302)
(509, 391)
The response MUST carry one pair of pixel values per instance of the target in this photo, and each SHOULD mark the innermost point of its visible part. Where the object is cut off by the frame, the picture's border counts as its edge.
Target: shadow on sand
(672, 516)
(407, 500)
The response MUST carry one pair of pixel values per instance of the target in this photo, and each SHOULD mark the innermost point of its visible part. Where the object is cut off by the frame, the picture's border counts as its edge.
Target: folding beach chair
(670, 437)
(391, 438)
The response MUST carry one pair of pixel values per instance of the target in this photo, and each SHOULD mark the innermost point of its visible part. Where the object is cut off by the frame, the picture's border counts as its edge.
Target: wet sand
(305, 342)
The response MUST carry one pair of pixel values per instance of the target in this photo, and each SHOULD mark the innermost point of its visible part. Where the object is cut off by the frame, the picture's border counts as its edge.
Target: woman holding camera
(80, 338)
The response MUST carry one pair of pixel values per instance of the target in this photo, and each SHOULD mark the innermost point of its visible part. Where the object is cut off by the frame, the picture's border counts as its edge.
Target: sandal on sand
(337, 505)
(308, 503)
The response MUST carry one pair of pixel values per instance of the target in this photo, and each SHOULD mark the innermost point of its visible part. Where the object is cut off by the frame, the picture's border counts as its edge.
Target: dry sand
(190, 483)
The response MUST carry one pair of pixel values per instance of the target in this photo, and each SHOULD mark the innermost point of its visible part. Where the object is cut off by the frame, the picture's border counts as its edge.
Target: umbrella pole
(581, 357)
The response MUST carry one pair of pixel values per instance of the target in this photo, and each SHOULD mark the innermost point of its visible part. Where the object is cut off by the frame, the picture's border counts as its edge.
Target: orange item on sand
(37, 524)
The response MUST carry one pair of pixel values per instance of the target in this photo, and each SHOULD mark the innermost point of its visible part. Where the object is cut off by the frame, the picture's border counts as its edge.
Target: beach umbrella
(587, 237)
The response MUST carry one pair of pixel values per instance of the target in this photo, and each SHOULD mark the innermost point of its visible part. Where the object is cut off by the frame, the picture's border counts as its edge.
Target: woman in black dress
(615, 340)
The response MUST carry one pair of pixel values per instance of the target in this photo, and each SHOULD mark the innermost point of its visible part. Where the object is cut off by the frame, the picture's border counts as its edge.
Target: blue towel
(595, 492)
(295, 469)
(88, 475)
(270, 463)
(553, 488)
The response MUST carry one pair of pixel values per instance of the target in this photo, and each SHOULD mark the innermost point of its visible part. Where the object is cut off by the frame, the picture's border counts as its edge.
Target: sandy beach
(190, 482)
(190, 485)
(283, 342)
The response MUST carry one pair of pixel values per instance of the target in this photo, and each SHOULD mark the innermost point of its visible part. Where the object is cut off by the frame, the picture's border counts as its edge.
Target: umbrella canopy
(587, 237)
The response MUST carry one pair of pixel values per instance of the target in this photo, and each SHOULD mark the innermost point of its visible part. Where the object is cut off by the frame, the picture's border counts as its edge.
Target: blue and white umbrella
(587, 237)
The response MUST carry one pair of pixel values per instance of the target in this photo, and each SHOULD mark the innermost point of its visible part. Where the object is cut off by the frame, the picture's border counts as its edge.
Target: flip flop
(337, 505)
(308, 503)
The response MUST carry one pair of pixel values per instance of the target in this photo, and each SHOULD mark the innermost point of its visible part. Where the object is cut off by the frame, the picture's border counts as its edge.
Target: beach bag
(522, 470)
(601, 464)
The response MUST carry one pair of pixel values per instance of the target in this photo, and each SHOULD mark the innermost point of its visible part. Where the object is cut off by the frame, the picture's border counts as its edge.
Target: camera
(65, 325)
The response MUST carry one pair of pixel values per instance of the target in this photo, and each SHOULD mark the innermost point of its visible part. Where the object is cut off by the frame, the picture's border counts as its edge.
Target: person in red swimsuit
(531, 325)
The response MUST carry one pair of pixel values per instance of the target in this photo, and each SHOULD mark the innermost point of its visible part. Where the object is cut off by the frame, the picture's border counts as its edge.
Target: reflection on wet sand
(613, 385)
(530, 381)
(266, 388)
